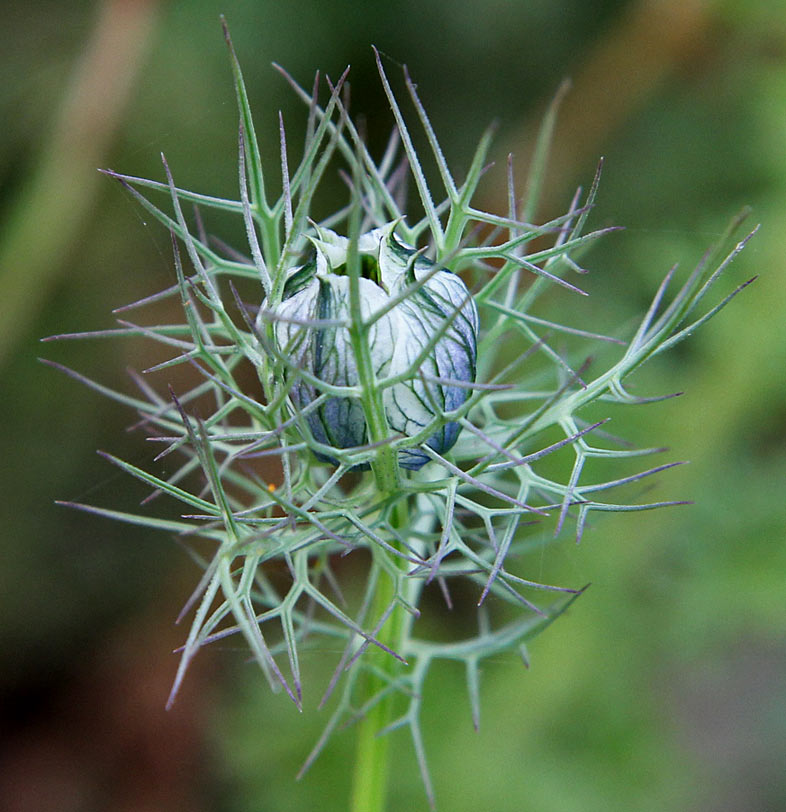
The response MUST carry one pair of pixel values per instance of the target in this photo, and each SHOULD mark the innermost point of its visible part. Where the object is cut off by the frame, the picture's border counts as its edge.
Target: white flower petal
(396, 340)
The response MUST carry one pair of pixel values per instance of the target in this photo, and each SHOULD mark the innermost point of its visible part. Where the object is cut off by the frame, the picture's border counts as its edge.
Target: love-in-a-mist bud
(437, 314)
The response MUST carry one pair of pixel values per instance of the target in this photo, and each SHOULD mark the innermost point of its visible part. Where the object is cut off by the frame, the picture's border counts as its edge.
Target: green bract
(423, 328)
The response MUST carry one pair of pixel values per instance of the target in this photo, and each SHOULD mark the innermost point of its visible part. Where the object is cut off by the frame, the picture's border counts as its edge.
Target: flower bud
(320, 291)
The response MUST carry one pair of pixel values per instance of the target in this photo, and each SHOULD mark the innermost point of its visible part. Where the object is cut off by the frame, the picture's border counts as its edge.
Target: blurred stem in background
(44, 221)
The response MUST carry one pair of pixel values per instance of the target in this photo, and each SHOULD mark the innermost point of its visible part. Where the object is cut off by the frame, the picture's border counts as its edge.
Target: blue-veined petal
(439, 304)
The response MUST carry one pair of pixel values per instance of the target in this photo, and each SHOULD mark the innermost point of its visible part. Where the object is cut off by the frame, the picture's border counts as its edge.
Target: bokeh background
(665, 687)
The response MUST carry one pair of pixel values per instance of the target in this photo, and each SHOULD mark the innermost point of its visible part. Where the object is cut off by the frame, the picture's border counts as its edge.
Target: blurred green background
(665, 686)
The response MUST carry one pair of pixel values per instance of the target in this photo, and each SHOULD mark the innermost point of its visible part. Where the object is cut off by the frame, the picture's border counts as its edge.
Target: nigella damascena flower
(439, 312)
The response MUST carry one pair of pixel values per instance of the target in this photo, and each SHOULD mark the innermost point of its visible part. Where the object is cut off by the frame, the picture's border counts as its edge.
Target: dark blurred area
(665, 686)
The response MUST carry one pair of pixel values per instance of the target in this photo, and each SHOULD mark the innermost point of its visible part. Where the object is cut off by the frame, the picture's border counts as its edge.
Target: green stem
(372, 765)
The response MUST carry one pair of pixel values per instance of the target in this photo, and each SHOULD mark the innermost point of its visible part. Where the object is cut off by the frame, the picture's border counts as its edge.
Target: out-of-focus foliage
(664, 688)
